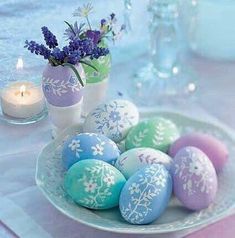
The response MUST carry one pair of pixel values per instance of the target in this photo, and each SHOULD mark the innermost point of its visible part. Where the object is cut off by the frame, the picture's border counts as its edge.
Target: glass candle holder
(22, 100)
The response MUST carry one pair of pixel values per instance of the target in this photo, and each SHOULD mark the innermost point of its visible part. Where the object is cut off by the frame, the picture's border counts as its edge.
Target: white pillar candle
(22, 100)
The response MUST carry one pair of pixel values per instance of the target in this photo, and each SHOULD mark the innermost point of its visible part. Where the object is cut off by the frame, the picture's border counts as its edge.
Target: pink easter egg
(212, 147)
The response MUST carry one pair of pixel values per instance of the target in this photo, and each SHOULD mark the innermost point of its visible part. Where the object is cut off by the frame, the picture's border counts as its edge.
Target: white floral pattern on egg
(146, 194)
(195, 180)
(113, 119)
(94, 184)
(135, 159)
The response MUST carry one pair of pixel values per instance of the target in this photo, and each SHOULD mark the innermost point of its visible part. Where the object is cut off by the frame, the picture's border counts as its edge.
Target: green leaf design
(75, 71)
(90, 65)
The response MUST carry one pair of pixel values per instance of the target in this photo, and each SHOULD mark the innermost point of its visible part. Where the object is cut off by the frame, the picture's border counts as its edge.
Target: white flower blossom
(97, 149)
(75, 146)
(84, 11)
(195, 167)
(90, 186)
(134, 188)
(161, 180)
(109, 180)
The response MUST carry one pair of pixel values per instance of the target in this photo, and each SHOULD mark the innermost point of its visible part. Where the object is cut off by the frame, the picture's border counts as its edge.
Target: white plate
(50, 174)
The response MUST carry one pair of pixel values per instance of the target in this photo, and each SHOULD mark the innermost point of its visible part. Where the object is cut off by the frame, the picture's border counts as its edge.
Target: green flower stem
(88, 64)
(88, 22)
(71, 28)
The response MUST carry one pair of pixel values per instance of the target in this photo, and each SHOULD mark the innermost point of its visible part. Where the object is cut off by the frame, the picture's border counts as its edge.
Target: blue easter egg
(89, 146)
(146, 195)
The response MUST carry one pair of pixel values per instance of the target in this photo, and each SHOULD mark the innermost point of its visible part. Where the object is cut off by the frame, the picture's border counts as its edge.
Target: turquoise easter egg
(135, 159)
(158, 133)
(146, 195)
(89, 146)
(94, 184)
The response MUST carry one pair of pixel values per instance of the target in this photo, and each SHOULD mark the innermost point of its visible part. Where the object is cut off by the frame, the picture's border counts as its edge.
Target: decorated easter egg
(157, 133)
(212, 147)
(135, 159)
(89, 146)
(61, 86)
(112, 119)
(102, 66)
(146, 194)
(94, 184)
(195, 180)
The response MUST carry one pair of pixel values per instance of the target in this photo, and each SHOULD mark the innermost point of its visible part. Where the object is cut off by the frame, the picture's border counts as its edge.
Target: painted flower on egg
(199, 175)
(89, 146)
(94, 184)
(90, 186)
(146, 195)
(134, 188)
(98, 149)
(113, 119)
(115, 116)
(75, 146)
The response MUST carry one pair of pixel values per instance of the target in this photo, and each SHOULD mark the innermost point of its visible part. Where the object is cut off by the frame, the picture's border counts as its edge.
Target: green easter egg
(158, 133)
(103, 66)
(94, 184)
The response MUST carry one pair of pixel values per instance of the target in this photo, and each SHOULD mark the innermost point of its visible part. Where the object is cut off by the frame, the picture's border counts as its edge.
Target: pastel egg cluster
(119, 161)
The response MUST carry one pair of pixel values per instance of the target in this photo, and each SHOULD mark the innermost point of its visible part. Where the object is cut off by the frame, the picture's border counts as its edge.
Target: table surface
(24, 212)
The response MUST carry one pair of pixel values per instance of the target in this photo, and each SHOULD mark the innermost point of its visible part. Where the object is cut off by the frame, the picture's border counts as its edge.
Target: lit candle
(22, 100)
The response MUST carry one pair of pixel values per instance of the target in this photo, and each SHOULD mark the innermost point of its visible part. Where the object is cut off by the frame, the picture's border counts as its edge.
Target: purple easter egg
(195, 180)
(61, 86)
(212, 147)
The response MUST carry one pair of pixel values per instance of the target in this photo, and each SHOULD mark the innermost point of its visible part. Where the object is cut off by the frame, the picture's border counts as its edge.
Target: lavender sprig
(37, 49)
(49, 38)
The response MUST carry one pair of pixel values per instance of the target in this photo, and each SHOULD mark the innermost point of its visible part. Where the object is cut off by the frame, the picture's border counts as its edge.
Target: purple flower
(98, 52)
(66, 50)
(103, 22)
(74, 31)
(74, 57)
(94, 36)
(49, 38)
(115, 116)
(76, 50)
(112, 15)
(38, 49)
(84, 46)
(58, 54)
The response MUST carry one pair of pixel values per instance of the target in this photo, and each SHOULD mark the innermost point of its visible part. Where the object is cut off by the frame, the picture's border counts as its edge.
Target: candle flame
(22, 90)
(20, 63)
